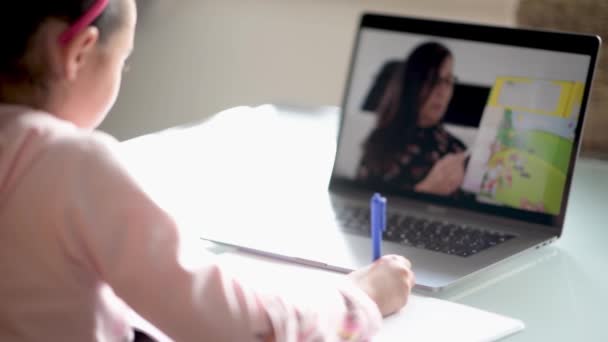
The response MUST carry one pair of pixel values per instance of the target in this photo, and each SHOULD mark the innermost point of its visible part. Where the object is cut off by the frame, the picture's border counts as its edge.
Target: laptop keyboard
(438, 236)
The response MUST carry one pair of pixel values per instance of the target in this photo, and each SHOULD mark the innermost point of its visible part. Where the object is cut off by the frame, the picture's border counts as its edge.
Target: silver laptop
(471, 132)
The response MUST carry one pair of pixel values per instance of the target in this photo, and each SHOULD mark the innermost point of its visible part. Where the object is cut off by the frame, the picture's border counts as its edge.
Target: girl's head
(66, 56)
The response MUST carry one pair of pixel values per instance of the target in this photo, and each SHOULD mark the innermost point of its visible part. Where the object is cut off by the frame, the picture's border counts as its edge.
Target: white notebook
(423, 319)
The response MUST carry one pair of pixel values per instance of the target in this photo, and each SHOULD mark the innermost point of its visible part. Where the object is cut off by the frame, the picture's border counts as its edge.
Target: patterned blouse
(413, 163)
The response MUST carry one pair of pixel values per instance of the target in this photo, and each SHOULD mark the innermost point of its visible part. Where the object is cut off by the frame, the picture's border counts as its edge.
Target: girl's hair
(20, 20)
(400, 104)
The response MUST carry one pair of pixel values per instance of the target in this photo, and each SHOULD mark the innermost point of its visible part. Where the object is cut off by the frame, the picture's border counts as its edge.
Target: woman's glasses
(85, 21)
(448, 81)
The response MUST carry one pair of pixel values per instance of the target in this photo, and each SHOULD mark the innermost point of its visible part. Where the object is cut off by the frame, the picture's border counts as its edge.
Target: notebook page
(423, 319)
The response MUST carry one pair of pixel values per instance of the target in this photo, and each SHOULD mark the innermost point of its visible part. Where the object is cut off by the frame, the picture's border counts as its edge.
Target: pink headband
(87, 19)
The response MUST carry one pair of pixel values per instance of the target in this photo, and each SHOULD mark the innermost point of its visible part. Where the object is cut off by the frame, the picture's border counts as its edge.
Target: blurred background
(194, 58)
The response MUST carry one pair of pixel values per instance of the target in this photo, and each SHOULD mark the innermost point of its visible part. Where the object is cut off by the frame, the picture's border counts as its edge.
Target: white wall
(196, 57)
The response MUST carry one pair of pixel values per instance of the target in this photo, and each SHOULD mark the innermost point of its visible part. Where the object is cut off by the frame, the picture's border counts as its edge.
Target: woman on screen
(409, 148)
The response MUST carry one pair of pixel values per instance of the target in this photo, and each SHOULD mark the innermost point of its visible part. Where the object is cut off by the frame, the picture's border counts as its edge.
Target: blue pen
(377, 223)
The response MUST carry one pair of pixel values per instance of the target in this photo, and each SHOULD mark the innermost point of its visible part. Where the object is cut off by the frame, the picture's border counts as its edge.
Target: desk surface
(560, 292)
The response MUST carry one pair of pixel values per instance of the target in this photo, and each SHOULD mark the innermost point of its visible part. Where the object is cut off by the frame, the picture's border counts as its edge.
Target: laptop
(471, 132)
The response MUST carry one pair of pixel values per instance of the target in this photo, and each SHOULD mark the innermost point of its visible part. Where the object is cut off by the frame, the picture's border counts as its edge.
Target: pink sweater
(76, 231)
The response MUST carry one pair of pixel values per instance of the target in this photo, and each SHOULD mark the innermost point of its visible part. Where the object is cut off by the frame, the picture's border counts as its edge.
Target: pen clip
(383, 216)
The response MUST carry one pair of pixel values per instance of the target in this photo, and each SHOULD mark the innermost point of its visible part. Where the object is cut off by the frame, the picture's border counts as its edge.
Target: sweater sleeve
(133, 245)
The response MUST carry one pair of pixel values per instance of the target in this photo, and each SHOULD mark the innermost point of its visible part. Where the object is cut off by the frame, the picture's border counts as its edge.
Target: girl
(76, 230)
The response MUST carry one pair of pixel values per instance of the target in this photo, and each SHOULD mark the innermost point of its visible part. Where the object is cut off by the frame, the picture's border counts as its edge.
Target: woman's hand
(445, 177)
(388, 282)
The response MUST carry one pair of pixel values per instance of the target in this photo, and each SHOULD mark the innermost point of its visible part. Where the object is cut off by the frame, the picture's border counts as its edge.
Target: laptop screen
(472, 122)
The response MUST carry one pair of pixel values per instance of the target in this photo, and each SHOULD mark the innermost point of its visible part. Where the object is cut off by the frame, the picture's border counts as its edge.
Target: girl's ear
(78, 52)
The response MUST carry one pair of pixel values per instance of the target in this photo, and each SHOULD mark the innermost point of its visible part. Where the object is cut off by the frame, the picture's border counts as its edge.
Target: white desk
(561, 293)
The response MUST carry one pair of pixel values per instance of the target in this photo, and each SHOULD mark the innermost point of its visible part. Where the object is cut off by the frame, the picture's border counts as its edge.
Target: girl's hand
(388, 282)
